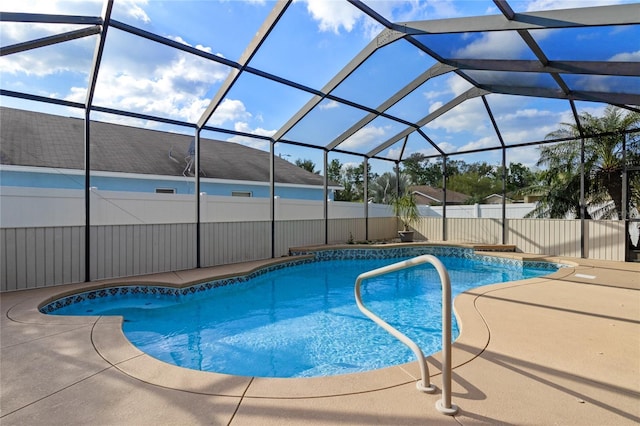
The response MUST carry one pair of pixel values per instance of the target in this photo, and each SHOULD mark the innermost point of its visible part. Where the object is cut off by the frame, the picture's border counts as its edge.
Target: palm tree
(603, 164)
(383, 189)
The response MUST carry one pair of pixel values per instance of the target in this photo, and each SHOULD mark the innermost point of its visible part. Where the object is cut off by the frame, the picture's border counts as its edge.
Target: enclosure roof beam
(617, 68)
(493, 120)
(45, 18)
(469, 94)
(436, 70)
(51, 40)
(267, 26)
(578, 95)
(383, 39)
(625, 14)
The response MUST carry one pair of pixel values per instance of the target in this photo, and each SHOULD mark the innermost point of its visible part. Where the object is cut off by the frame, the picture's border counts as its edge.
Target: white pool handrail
(443, 405)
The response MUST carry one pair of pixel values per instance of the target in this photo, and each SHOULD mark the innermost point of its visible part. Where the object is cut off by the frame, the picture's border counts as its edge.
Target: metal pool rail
(443, 405)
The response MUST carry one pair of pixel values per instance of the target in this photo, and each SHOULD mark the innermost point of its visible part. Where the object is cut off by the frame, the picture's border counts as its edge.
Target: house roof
(43, 140)
(437, 194)
(499, 196)
(490, 57)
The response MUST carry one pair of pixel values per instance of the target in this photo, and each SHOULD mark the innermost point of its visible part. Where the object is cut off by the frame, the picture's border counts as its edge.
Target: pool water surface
(298, 321)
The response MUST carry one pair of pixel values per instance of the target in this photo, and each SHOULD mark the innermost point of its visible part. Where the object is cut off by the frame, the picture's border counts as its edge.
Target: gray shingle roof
(429, 195)
(43, 140)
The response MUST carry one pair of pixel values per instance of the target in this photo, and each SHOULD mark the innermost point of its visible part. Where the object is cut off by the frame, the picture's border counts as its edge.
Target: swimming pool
(296, 321)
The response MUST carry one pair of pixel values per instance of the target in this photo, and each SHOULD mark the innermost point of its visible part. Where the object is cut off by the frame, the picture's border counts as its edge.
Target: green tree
(334, 170)
(382, 189)
(518, 176)
(422, 171)
(475, 185)
(308, 165)
(603, 164)
(351, 177)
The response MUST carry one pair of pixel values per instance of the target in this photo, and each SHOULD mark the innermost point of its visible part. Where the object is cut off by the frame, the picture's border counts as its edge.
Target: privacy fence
(49, 248)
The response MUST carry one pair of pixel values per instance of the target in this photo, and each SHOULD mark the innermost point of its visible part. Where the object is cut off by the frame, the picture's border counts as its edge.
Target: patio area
(563, 349)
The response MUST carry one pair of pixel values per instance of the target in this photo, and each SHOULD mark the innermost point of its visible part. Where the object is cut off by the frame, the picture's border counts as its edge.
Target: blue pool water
(299, 321)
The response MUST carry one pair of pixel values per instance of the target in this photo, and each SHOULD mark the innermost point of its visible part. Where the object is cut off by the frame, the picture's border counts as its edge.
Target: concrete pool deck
(562, 349)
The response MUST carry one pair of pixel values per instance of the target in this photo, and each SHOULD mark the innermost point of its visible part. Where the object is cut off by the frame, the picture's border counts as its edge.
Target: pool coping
(112, 345)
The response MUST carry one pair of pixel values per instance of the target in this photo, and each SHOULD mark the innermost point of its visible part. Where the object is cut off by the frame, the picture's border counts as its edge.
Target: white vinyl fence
(42, 237)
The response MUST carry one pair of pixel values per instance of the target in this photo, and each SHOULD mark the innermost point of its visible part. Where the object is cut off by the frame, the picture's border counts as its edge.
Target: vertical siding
(296, 233)
(545, 236)
(124, 250)
(483, 231)
(232, 242)
(40, 257)
(429, 228)
(345, 229)
(605, 239)
(383, 228)
(47, 256)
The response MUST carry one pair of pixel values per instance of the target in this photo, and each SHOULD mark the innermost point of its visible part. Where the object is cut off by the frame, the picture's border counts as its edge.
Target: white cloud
(446, 146)
(58, 7)
(415, 10)
(54, 59)
(469, 116)
(537, 5)
(229, 110)
(176, 89)
(329, 105)
(485, 142)
(435, 106)
(527, 155)
(494, 45)
(250, 142)
(50, 60)
(432, 94)
(394, 153)
(334, 15)
(458, 85)
(245, 128)
(627, 56)
(135, 10)
(198, 46)
(364, 137)
(428, 151)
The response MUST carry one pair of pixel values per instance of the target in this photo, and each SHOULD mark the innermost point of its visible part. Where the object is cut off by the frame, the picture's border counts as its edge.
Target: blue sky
(314, 40)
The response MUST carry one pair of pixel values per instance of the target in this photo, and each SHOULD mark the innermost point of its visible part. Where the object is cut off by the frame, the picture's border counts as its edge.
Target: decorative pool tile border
(445, 251)
(318, 256)
(385, 253)
(163, 291)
